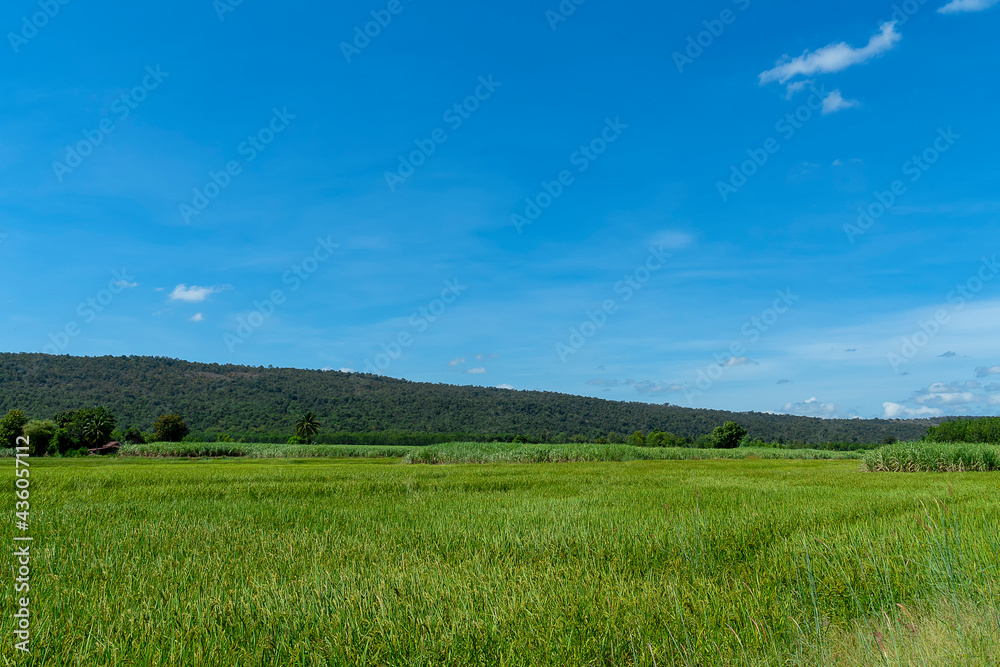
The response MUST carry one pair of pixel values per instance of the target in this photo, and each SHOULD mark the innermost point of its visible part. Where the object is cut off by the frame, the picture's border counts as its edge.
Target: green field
(471, 452)
(368, 561)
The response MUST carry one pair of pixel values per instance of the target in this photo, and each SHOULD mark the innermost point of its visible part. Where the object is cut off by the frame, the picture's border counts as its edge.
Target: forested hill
(262, 402)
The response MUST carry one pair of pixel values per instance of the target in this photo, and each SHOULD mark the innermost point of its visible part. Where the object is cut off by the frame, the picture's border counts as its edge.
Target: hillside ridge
(257, 401)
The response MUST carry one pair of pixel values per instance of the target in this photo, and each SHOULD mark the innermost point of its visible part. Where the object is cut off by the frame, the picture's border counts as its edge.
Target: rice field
(368, 562)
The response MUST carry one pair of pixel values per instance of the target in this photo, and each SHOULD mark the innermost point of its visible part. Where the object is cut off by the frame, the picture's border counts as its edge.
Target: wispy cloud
(984, 371)
(832, 58)
(811, 407)
(899, 411)
(647, 387)
(504, 386)
(197, 317)
(193, 294)
(456, 361)
(477, 371)
(671, 238)
(835, 102)
(965, 6)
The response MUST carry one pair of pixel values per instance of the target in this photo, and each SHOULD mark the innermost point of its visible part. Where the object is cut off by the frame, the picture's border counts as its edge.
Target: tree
(307, 427)
(728, 435)
(170, 428)
(40, 435)
(12, 427)
(95, 426)
(637, 439)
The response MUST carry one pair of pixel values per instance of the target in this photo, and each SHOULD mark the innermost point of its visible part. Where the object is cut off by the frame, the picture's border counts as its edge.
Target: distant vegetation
(261, 404)
(471, 452)
(985, 429)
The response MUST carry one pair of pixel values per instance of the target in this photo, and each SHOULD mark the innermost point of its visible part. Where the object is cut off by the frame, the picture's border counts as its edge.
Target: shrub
(134, 436)
(704, 442)
(664, 439)
(61, 441)
(747, 441)
(637, 439)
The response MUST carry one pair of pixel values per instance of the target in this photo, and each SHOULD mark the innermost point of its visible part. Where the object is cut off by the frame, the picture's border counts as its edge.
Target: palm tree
(98, 427)
(307, 427)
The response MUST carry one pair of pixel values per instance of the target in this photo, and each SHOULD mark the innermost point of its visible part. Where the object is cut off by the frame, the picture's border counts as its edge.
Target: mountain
(263, 403)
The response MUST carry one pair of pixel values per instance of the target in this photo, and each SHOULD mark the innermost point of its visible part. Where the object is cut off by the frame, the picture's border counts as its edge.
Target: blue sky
(783, 207)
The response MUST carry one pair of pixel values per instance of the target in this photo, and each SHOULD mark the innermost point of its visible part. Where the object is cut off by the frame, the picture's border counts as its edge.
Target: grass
(471, 452)
(478, 452)
(934, 457)
(261, 451)
(365, 562)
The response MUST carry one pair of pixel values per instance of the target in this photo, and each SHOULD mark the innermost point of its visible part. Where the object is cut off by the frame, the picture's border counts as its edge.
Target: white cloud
(646, 387)
(197, 317)
(835, 102)
(897, 411)
(456, 361)
(832, 58)
(477, 371)
(739, 361)
(504, 386)
(192, 294)
(960, 6)
(346, 370)
(796, 86)
(672, 238)
(983, 371)
(812, 407)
